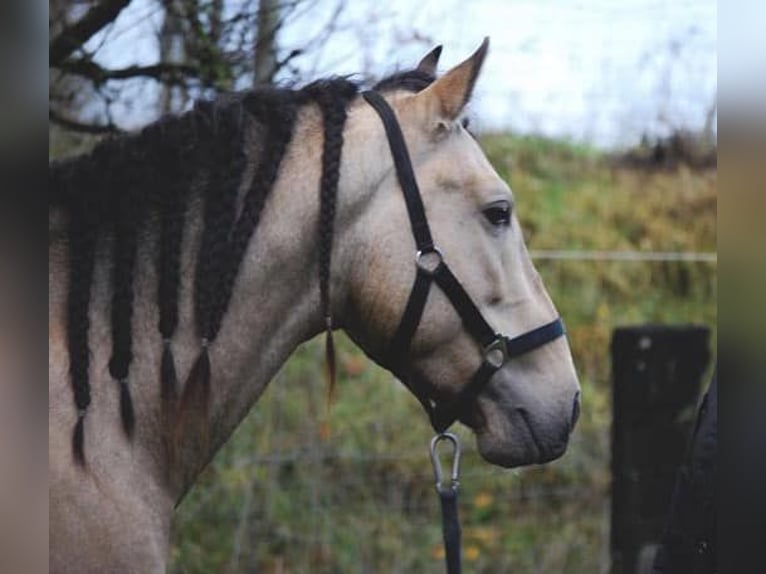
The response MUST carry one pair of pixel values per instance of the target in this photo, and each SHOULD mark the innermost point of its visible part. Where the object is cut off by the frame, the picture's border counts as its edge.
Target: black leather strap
(444, 414)
(472, 318)
(497, 349)
(535, 338)
(400, 345)
(404, 171)
(450, 529)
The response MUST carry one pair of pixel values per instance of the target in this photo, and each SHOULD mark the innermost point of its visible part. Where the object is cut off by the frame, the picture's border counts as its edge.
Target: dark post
(656, 383)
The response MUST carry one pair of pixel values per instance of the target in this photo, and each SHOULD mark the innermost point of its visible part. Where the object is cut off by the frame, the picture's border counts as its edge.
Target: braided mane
(131, 182)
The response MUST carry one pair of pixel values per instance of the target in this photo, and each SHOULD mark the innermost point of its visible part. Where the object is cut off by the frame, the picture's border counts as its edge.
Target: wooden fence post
(656, 383)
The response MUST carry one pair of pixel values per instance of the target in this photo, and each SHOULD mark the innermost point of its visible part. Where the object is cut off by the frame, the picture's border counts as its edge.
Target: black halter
(497, 348)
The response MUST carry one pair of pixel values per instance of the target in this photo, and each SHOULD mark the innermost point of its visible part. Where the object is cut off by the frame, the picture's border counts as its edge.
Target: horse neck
(275, 305)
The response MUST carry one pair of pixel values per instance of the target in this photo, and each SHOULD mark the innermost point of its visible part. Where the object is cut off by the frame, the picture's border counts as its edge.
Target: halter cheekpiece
(431, 268)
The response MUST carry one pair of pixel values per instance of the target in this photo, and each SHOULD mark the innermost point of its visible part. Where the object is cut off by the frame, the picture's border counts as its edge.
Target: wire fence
(638, 256)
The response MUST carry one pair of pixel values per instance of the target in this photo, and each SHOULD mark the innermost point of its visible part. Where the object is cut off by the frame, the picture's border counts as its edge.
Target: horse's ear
(450, 93)
(430, 61)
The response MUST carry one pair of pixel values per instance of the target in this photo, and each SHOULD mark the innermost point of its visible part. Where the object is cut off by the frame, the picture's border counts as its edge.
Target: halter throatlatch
(431, 268)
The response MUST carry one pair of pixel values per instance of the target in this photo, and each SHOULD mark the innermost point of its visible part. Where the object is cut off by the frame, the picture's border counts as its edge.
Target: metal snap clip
(438, 473)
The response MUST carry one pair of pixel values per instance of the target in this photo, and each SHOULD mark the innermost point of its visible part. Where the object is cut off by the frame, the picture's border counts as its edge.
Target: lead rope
(448, 497)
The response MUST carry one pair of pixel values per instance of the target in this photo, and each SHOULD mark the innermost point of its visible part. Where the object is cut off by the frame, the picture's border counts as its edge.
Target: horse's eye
(499, 214)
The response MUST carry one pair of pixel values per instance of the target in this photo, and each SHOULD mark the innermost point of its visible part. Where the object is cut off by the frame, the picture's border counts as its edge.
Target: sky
(600, 72)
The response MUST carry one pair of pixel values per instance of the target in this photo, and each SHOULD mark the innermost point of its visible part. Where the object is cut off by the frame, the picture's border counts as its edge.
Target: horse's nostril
(575, 410)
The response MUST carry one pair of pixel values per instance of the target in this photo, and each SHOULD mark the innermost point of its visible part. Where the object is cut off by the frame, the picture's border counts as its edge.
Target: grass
(284, 496)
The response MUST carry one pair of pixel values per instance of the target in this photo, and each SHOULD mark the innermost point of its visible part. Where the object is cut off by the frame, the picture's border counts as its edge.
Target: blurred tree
(68, 94)
(172, 49)
(265, 61)
(203, 47)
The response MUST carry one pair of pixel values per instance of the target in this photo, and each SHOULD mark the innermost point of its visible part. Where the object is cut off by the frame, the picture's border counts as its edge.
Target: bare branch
(75, 36)
(168, 73)
(75, 126)
(286, 60)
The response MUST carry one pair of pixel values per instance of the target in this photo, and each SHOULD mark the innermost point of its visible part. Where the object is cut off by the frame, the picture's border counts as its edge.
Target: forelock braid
(333, 97)
(83, 227)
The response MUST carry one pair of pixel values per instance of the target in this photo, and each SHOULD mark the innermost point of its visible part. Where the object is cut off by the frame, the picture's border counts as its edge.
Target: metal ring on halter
(428, 260)
(496, 353)
(438, 473)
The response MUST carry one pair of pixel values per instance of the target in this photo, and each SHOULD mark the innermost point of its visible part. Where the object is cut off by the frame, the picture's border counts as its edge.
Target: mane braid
(125, 239)
(109, 191)
(82, 248)
(332, 97)
(82, 234)
(219, 198)
(277, 109)
(173, 204)
(116, 185)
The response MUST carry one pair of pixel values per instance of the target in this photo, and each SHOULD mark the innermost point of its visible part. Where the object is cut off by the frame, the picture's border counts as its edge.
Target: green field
(299, 489)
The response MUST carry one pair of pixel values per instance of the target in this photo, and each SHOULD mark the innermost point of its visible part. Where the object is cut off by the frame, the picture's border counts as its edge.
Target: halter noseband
(429, 261)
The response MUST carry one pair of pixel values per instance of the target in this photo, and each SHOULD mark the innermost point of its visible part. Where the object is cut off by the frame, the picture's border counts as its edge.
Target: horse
(189, 259)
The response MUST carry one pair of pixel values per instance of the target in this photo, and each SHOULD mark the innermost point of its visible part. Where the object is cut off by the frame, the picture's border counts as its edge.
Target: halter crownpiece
(431, 268)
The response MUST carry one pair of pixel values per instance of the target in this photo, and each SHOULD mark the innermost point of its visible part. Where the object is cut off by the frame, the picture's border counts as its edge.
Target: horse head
(404, 308)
